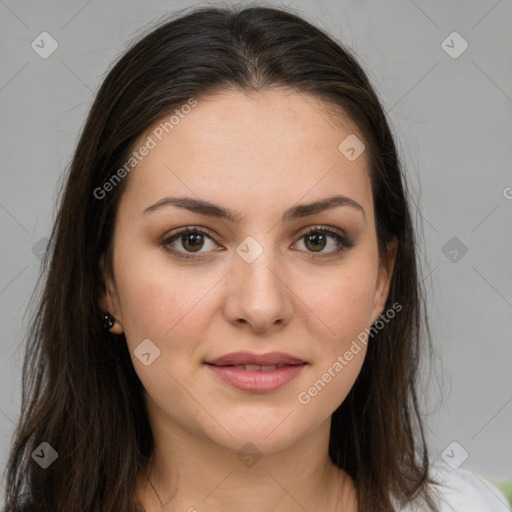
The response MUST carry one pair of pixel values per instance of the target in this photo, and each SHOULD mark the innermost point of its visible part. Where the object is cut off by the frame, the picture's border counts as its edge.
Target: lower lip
(257, 381)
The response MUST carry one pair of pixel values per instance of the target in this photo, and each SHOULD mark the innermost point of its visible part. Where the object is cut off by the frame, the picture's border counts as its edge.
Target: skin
(259, 154)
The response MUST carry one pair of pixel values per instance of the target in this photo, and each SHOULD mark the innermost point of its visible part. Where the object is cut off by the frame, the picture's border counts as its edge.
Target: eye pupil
(195, 237)
(316, 237)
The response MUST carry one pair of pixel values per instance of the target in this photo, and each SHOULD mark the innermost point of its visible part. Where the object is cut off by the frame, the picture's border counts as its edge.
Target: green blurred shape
(505, 488)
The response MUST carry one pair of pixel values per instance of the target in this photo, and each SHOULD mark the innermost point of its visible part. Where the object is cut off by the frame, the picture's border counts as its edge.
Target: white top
(463, 490)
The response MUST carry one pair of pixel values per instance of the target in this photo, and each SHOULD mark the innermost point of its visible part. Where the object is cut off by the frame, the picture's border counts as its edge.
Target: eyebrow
(295, 212)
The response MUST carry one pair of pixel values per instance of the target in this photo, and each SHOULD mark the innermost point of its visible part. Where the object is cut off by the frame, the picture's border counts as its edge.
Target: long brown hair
(81, 394)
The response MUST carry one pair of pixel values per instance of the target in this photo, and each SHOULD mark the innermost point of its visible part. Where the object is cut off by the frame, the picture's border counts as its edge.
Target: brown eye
(315, 241)
(187, 241)
(319, 238)
(192, 242)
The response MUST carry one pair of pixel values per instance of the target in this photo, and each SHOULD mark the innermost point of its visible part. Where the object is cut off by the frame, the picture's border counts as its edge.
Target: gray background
(451, 116)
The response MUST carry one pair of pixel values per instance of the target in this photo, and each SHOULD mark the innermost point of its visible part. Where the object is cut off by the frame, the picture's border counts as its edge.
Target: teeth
(255, 367)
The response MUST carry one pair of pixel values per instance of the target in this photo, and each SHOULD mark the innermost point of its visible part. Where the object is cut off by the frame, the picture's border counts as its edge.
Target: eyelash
(343, 243)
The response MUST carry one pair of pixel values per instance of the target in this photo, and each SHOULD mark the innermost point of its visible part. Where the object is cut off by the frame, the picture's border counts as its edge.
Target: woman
(232, 312)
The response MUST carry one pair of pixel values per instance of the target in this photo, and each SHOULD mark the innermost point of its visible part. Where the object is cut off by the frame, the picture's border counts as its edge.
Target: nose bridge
(260, 276)
(258, 294)
(258, 270)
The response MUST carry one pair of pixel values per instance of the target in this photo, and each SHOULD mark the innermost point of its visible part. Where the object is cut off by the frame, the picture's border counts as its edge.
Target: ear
(384, 280)
(107, 296)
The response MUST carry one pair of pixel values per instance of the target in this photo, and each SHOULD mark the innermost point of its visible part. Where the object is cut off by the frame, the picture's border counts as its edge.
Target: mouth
(256, 378)
(264, 361)
(256, 367)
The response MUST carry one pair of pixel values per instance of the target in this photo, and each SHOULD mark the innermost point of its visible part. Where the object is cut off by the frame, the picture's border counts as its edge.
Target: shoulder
(464, 490)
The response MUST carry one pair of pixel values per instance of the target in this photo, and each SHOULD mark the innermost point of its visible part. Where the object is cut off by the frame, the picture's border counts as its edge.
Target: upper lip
(269, 359)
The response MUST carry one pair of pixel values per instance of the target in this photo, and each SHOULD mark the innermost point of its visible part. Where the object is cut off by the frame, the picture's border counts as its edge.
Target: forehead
(258, 148)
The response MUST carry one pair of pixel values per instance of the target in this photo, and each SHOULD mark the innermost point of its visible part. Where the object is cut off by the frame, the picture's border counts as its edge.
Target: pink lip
(257, 380)
(268, 359)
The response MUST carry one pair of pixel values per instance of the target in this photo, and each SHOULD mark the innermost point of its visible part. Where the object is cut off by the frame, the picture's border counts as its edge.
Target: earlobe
(110, 322)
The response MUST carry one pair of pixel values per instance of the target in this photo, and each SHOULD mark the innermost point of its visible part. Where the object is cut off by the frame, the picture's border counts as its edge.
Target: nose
(258, 294)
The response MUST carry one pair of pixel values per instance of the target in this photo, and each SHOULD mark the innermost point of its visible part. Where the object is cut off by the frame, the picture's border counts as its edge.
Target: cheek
(340, 305)
(338, 312)
(340, 349)
(160, 301)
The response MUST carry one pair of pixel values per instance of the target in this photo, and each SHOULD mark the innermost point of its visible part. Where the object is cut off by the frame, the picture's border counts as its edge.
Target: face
(305, 285)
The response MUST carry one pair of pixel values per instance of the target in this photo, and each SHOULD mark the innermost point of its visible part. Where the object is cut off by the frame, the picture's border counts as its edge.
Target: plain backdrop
(449, 106)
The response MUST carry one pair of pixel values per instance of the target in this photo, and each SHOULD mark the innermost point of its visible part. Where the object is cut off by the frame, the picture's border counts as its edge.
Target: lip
(257, 381)
(229, 368)
(269, 359)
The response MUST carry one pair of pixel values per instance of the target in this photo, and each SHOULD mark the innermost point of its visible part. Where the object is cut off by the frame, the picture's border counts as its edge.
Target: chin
(264, 444)
(268, 435)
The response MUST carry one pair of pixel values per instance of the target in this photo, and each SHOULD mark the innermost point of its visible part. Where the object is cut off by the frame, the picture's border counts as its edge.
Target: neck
(192, 474)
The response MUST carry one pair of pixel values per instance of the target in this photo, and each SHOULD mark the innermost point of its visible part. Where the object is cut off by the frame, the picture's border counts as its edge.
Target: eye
(316, 239)
(191, 239)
